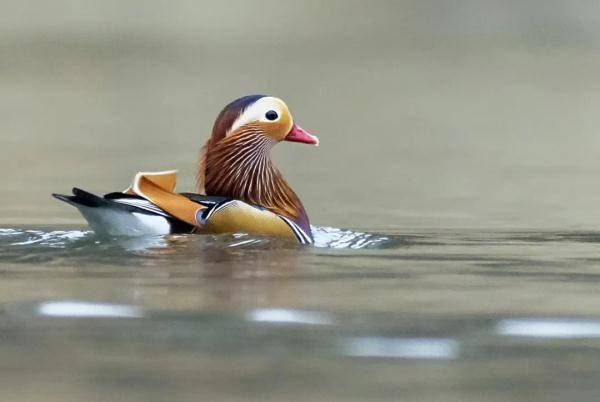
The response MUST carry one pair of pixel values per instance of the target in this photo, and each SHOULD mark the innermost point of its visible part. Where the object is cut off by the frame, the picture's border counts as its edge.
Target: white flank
(109, 222)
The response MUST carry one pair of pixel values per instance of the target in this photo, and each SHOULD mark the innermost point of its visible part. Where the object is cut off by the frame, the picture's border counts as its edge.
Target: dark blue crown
(240, 104)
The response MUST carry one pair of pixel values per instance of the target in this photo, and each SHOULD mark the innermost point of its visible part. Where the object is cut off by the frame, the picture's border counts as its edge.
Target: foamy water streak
(52, 238)
(329, 237)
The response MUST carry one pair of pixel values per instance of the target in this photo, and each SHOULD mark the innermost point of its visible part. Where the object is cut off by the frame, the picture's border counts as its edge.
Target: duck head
(235, 161)
(266, 114)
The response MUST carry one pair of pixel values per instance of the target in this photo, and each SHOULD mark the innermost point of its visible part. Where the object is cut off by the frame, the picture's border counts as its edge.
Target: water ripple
(329, 237)
(325, 237)
(289, 316)
(82, 309)
(53, 238)
(403, 348)
(550, 328)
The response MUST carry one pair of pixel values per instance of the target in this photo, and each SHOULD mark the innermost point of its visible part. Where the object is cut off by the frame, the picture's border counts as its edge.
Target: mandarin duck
(239, 187)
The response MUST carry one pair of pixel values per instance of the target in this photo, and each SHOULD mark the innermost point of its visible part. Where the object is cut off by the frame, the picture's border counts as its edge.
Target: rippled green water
(430, 315)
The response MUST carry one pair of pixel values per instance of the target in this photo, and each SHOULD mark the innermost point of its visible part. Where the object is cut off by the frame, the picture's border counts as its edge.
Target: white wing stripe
(217, 208)
(300, 234)
(142, 204)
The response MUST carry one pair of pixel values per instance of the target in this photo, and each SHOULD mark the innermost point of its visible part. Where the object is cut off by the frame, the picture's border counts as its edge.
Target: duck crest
(239, 166)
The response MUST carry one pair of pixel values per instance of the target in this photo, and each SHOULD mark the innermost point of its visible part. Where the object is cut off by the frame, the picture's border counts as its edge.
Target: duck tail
(119, 214)
(82, 197)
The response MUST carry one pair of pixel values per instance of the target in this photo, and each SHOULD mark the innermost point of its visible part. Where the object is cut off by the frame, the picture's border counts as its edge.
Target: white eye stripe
(257, 112)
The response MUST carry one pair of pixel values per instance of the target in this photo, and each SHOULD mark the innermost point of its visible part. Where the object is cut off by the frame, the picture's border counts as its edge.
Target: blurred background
(430, 113)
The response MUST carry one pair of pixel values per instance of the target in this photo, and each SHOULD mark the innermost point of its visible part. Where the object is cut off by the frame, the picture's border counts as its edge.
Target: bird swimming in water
(239, 187)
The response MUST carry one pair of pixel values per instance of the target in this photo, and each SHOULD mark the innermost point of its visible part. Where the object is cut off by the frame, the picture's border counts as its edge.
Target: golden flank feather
(241, 217)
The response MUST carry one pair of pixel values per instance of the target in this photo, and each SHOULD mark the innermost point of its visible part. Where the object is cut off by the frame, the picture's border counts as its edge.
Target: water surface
(444, 315)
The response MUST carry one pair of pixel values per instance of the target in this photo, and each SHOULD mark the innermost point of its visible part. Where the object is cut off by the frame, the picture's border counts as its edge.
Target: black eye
(271, 115)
